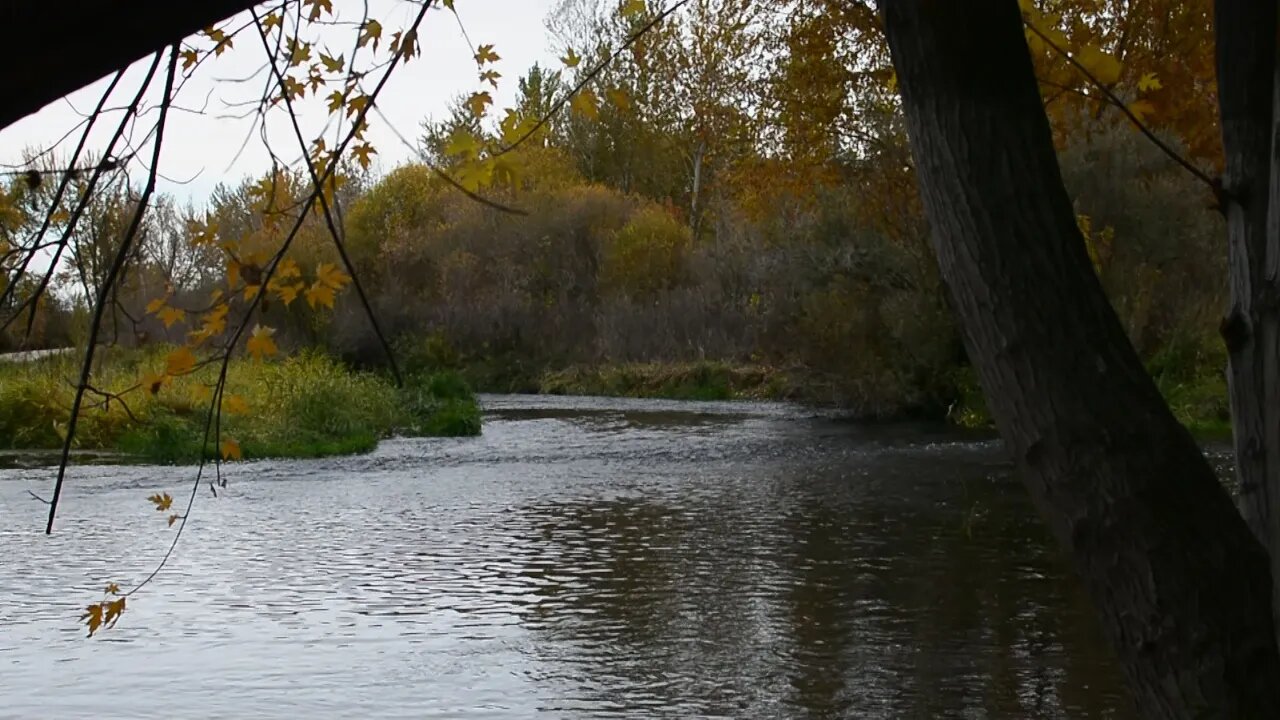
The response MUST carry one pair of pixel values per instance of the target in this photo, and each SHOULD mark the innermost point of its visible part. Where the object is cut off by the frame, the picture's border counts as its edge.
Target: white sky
(200, 149)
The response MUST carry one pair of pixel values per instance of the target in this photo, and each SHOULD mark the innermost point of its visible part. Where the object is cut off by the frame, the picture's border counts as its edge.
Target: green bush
(305, 406)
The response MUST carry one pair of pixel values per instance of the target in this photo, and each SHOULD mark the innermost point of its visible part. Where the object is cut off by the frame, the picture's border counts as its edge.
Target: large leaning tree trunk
(1246, 50)
(1181, 584)
(52, 48)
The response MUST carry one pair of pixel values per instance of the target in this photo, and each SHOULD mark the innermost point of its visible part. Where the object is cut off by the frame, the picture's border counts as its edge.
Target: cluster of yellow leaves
(105, 612)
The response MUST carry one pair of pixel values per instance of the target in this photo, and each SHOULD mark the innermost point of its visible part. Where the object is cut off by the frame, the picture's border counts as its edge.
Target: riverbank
(305, 406)
(1198, 399)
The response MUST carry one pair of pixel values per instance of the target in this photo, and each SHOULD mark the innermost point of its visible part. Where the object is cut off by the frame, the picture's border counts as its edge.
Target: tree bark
(53, 48)
(1181, 584)
(1246, 56)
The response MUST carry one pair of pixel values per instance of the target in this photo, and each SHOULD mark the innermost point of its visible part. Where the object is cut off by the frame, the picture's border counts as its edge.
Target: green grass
(304, 406)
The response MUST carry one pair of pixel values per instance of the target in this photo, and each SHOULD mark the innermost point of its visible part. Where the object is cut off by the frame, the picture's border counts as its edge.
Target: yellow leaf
(462, 143)
(115, 609)
(318, 7)
(357, 104)
(162, 501)
(571, 59)
(362, 153)
(180, 361)
(251, 291)
(230, 450)
(485, 54)
(260, 342)
(336, 100)
(201, 393)
(1103, 67)
(288, 293)
(620, 99)
(586, 104)
(333, 64)
(491, 77)
(286, 269)
(156, 305)
(93, 617)
(631, 8)
(1149, 82)
(370, 33)
(113, 589)
(478, 102)
(329, 275)
(270, 21)
(234, 405)
(171, 315)
(319, 294)
(1142, 109)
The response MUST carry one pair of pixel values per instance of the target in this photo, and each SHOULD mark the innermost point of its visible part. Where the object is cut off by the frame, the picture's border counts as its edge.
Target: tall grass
(308, 405)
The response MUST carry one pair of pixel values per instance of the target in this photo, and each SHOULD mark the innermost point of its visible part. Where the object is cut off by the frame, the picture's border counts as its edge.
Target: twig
(1214, 185)
(121, 256)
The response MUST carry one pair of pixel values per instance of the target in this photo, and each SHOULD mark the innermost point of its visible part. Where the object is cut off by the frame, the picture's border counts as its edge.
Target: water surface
(584, 558)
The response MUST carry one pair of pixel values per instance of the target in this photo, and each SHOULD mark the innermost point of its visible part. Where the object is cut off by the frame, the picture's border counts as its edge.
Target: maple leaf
(115, 609)
(156, 305)
(485, 54)
(235, 405)
(448, 4)
(319, 294)
(357, 104)
(112, 589)
(333, 64)
(462, 143)
(287, 268)
(478, 102)
(93, 617)
(260, 343)
(370, 33)
(329, 275)
(189, 58)
(619, 98)
(288, 293)
(162, 501)
(318, 7)
(173, 519)
(406, 45)
(631, 8)
(1149, 82)
(336, 100)
(230, 450)
(270, 21)
(171, 315)
(1103, 67)
(1142, 109)
(179, 362)
(586, 104)
(491, 77)
(571, 59)
(362, 153)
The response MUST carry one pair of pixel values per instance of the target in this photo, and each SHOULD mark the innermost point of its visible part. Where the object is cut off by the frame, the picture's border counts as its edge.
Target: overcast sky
(200, 149)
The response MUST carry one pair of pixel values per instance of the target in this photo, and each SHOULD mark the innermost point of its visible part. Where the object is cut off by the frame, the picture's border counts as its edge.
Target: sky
(203, 149)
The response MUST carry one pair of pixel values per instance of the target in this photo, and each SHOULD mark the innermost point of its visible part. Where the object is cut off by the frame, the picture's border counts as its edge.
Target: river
(584, 558)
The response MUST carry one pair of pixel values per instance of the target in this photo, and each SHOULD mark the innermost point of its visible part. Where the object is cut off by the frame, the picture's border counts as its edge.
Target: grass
(305, 406)
(704, 380)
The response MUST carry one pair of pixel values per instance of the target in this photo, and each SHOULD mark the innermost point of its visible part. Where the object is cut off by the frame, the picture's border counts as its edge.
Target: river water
(584, 558)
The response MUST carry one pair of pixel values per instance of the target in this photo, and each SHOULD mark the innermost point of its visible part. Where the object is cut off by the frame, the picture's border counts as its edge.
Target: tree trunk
(52, 49)
(1181, 585)
(1246, 49)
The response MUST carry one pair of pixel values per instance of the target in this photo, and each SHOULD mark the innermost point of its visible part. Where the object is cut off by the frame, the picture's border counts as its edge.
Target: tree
(1181, 585)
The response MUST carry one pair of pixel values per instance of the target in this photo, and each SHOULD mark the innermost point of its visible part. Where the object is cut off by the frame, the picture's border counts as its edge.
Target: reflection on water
(584, 558)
